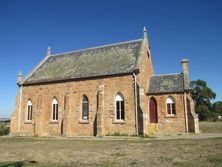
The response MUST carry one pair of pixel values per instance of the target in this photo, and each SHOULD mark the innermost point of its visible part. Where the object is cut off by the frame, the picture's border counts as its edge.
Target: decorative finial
(144, 32)
(49, 51)
(19, 77)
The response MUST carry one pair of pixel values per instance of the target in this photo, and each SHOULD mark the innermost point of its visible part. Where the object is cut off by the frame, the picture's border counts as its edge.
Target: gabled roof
(168, 83)
(120, 58)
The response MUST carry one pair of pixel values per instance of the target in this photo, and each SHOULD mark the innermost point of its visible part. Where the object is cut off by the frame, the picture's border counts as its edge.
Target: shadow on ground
(18, 164)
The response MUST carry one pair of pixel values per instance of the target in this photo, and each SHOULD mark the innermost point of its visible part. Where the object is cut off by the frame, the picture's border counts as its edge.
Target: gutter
(136, 108)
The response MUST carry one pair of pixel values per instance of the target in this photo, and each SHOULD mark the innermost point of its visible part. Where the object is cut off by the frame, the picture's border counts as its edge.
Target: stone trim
(170, 116)
(83, 122)
(54, 122)
(28, 122)
(119, 122)
(36, 67)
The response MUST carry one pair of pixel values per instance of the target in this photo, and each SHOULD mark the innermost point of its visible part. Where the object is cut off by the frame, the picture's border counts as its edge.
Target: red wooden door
(153, 111)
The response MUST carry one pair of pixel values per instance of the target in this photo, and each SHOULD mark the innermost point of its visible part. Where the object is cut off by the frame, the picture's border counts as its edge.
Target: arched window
(55, 111)
(85, 108)
(170, 106)
(29, 111)
(119, 107)
(153, 110)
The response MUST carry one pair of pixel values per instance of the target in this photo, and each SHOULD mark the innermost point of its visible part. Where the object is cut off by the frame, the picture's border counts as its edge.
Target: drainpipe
(20, 107)
(135, 89)
(185, 107)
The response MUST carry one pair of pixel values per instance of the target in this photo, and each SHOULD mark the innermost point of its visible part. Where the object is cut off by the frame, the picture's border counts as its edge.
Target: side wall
(146, 71)
(69, 97)
(168, 124)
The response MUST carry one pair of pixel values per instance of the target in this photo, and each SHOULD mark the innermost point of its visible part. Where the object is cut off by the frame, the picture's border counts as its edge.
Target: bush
(214, 116)
(117, 134)
(3, 129)
(205, 114)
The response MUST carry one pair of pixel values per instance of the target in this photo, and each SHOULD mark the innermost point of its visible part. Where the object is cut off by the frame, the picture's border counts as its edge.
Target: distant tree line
(4, 130)
(203, 97)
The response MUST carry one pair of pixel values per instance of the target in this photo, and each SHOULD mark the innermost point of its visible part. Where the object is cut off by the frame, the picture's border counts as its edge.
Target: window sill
(119, 122)
(28, 122)
(84, 122)
(54, 122)
(171, 116)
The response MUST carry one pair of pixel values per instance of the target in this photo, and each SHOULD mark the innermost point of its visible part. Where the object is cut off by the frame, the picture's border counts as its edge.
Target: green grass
(182, 164)
(210, 127)
(30, 164)
(215, 160)
(18, 164)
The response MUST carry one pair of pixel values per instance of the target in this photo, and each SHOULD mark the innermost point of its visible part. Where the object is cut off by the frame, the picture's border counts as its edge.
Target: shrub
(3, 129)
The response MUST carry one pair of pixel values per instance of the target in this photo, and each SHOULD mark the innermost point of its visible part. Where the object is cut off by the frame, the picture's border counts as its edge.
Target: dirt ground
(116, 152)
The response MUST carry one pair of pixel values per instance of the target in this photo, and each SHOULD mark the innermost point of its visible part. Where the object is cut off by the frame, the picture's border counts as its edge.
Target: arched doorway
(153, 110)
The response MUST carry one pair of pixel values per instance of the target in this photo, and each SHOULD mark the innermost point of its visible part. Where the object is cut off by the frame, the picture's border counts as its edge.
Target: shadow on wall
(18, 164)
(139, 112)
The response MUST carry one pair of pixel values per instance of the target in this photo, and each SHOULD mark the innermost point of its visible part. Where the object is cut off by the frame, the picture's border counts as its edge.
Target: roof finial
(49, 51)
(144, 33)
(19, 77)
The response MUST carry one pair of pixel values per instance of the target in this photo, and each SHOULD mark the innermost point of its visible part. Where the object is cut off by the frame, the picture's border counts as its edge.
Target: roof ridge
(166, 74)
(96, 47)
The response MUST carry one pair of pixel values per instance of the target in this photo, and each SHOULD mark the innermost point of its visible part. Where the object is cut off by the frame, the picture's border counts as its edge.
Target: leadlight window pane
(57, 113)
(85, 108)
(30, 112)
(54, 111)
(173, 109)
(168, 109)
(119, 107)
(122, 109)
(117, 110)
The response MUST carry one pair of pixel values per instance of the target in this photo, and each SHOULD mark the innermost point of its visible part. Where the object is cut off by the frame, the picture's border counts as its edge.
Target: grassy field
(211, 127)
(52, 152)
(138, 152)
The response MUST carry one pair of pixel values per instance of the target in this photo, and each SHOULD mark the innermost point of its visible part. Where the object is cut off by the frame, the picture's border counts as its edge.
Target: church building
(100, 91)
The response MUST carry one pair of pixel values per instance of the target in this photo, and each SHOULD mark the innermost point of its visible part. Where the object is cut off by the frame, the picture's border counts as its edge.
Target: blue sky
(176, 29)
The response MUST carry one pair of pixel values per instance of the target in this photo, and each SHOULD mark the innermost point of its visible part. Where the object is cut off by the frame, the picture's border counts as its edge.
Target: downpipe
(135, 93)
(20, 107)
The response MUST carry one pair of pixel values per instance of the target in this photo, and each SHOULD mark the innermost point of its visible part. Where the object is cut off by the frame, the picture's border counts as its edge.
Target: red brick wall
(42, 96)
(168, 124)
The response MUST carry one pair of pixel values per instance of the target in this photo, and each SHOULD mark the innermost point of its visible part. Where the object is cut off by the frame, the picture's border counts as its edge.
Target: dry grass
(52, 152)
(63, 152)
(211, 127)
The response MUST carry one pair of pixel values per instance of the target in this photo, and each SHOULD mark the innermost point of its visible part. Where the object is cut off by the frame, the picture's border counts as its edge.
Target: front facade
(103, 91)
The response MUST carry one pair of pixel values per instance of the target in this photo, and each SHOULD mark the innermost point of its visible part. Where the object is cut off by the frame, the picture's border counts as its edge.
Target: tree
(217, 107)
(3, 129)
(201, 93)
(202, 96)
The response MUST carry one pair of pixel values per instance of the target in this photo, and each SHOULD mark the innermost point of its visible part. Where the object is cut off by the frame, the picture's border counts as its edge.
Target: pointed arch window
(85, 108)
(171, 110)
(55, 112)
(119, 107)
(29, 110)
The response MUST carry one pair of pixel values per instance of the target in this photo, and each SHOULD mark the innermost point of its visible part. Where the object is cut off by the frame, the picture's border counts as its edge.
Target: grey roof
(169, 83)
(112, 59)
